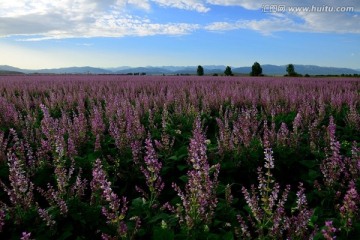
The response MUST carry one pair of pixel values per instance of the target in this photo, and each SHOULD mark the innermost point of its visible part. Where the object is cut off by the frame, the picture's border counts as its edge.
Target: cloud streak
(310, 22)
(293, 18)
(192, 5)
(265, 26)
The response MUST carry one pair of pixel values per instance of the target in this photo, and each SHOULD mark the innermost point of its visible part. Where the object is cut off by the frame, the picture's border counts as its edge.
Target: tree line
(256, 70)
(227, 72)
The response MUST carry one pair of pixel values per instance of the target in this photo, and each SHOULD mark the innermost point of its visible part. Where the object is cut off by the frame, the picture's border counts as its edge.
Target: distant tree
(290, 69)
(215, 75)
(228, 71)
(200, 70)
(256, 69)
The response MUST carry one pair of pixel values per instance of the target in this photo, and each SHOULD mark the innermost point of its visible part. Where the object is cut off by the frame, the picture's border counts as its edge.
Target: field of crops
(161, 157)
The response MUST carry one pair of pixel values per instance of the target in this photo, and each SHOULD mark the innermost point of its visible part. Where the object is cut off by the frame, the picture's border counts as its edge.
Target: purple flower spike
(199, 198)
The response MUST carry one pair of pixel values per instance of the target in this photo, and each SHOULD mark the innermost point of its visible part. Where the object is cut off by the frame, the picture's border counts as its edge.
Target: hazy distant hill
(4, 72)
(6, 68)
(71, 70)
(302, 69)
(316, 70)
(75, 70)
(268, 69)
(147, 70)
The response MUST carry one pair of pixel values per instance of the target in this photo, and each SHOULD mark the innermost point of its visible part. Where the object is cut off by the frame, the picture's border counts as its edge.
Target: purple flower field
(179, 157)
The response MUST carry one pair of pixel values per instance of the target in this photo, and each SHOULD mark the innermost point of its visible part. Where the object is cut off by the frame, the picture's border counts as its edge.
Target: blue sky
(110, 33)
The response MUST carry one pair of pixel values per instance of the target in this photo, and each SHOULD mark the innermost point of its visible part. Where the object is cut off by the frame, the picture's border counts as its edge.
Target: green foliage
(200, 70)
(256, 69)
(228, 71)
(290, 69)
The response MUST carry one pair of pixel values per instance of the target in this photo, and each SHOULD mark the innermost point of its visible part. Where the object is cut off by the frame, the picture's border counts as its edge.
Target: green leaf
(228, 236)
(163, 234)
(182, 167)
(184, 178)
(313, 174)
(67, 233)
(158, 217)
(313, 220)
(309, 163)
(137, 202)
(173, 158)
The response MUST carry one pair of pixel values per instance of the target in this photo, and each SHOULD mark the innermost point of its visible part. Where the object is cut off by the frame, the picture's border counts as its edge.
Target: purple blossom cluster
(349, 208)
(115, 211)
(79, 187)
(21, 188)
(166, 142)
(353, 117)
(53, 133)
(47, 126)
(340, 172)
(199, 197)
(25, 236)
(333, 166)
(299, 223)
(126, 129)
(46, 217)
(229, 198)
(239, 127)
(9, 113)
(3, 146)
(282, 136)
(97, 127)
(242, 132)
(267, 208)
(55, 198)
(151, 171)
(77, 128)
(2, 218)
(329, 230)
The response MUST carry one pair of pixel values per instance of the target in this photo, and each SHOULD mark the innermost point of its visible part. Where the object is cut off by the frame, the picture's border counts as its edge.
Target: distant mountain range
(174, 70)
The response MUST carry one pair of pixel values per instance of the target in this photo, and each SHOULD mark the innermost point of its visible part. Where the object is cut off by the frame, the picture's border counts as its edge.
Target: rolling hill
(272, 70)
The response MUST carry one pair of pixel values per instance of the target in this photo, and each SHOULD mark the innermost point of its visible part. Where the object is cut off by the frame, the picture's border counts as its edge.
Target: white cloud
(45, 19)
(331, 22)
(257, 4)
(265, 26)
(318, 20)
(144, 4)
(248, 4)
(56, 19)
(112, 25)
(193, 5)
(309, 22)
(85, 44)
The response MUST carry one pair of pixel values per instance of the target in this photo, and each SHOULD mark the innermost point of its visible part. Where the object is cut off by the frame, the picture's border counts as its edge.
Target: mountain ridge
(268, 69)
